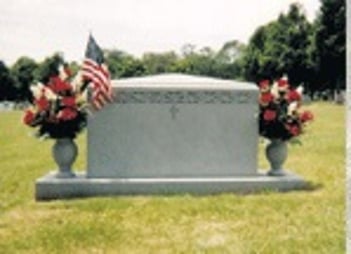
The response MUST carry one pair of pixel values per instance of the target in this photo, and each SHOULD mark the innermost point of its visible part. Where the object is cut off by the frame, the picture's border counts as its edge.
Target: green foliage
(74, 67)
(133, 68)
(7, 84)
(196, 63)
(306, 221)
(330, 43)
(278, 48)
(159, 62)
(49, 67)
(205, 62)
(230, 52)
(23, 72)
(208, 62)
(310, 54)
(122, 65)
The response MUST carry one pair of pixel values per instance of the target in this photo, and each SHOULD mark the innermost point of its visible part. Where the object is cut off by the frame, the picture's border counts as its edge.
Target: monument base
(50, 187)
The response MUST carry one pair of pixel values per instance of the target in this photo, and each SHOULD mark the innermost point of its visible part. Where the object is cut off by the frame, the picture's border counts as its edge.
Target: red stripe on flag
(101, 84)
(95, 76)
(90, 72)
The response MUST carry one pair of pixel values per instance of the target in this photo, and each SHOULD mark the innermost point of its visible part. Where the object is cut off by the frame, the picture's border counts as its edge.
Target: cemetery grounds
(307, 221)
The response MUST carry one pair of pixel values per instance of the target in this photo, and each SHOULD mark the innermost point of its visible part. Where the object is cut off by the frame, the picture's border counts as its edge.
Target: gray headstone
(175, 125)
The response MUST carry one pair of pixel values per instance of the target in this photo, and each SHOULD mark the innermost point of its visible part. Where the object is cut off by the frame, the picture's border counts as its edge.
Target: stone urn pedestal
(276, 153)
(65, 152)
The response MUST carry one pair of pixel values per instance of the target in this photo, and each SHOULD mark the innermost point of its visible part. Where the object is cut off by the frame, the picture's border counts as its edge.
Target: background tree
(49, 67)
(23, 73)
(133, 68)
(313, 77)
(253, 54)
(330, 44)
(187, 49)
(159, 62)
(122, 64)
(230, 52)
(196, 62)
(294, 60)
(209, 62)
(226, 60)
(201, 62)
(8, 91)
(278, 48)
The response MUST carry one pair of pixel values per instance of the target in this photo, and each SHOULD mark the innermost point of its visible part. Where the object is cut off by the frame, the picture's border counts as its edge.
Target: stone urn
(276, 153)
(65, 152)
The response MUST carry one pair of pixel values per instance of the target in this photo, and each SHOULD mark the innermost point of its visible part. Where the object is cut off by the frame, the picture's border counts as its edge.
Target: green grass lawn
(309, 221)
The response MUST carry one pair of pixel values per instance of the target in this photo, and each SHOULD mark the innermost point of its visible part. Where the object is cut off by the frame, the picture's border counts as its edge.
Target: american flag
(97, 76)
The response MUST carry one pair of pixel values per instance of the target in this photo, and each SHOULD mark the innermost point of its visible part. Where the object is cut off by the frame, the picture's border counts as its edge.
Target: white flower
(292, 109)
(299, 89)
(275, 90)
(36, 89)
(40, 89)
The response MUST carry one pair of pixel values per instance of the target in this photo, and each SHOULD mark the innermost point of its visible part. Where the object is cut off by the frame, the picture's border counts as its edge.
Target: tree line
(309, 53)
(312, 54)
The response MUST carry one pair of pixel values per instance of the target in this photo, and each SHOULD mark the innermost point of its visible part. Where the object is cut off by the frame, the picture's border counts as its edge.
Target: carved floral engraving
(184, 97)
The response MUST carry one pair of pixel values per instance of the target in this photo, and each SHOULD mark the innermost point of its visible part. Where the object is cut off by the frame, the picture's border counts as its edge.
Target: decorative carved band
(184, 97)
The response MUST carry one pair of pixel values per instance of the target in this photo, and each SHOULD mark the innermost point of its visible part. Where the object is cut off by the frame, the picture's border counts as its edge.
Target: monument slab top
(174, 81)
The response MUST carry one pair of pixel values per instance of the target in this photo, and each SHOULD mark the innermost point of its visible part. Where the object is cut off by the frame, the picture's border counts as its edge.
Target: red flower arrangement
(57, 110)
(280, 116)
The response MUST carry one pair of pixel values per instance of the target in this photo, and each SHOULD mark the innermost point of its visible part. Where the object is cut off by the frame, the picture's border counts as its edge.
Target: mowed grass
(308, 221)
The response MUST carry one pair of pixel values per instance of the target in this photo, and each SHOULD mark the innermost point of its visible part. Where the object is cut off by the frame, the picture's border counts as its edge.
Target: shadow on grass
(308, 186)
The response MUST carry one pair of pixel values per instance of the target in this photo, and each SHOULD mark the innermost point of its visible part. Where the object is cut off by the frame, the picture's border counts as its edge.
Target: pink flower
(264, 85)
(28, 117)
(69, 101)
(57, 85)
(67, 114)
(293, 95)
(266, 98)
(269, 115)
(42, 103)
(306, 116)
(283, 85)
(294, 129)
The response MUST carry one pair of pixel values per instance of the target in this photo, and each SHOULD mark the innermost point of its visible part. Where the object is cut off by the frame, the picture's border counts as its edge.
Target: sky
(38, 28)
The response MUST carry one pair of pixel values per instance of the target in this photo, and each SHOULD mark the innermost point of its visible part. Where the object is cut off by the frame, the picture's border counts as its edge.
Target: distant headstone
(172, 133)
(339, 97)
(7, 106)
